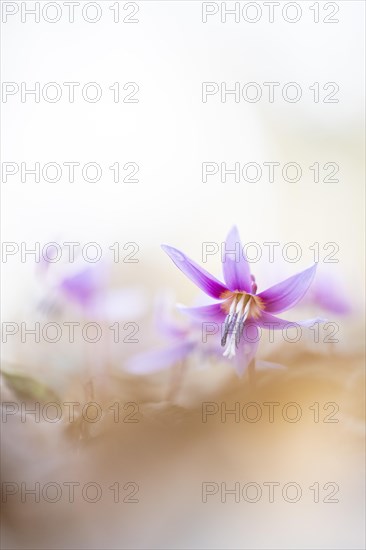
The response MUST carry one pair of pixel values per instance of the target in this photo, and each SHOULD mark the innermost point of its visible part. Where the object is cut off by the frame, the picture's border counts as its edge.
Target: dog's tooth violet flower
(330, 294)
(87, 288)
(240, 309)
(181, 341)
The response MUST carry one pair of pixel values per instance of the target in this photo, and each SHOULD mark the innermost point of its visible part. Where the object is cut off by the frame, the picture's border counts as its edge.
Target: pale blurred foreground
(162, 461)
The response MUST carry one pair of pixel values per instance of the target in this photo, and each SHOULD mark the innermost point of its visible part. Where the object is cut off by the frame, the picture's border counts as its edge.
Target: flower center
(239, 306)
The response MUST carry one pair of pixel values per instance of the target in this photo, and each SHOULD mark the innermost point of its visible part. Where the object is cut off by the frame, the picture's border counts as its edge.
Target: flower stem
(252, 373)
(176, 380)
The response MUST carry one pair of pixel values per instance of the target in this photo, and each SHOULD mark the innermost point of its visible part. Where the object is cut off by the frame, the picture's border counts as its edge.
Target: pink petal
(164, 321)
(268, 365)
(271, 322)
(197, 274)
(83, 286)
(235, 265)
(156, 360)
(118, 304)
(288, 293)
(213, 312)
(329, 293)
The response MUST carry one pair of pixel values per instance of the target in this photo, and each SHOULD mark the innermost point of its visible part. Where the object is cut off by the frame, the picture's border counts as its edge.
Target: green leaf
(27, 387)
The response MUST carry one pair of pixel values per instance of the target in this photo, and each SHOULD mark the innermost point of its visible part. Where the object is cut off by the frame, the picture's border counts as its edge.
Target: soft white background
(170, 132)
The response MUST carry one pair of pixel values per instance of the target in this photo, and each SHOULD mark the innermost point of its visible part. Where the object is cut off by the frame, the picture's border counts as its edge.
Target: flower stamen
(239, 306)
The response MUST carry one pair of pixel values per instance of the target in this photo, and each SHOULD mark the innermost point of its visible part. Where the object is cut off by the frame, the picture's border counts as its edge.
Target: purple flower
(329, 293)
(86, 287)
(76, 282)
(181, 342)
(83, 286)
(240, 309)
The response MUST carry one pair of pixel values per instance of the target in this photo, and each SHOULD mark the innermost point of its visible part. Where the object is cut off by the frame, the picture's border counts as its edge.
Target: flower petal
(165, 323)
(268, 365)
(118, 304)
(247, 348)
(268, 321)
(329, 293)
(212, 312)
(197, 274)
(235, 265)
(288, 293)
(83, 286)
(156, 360)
